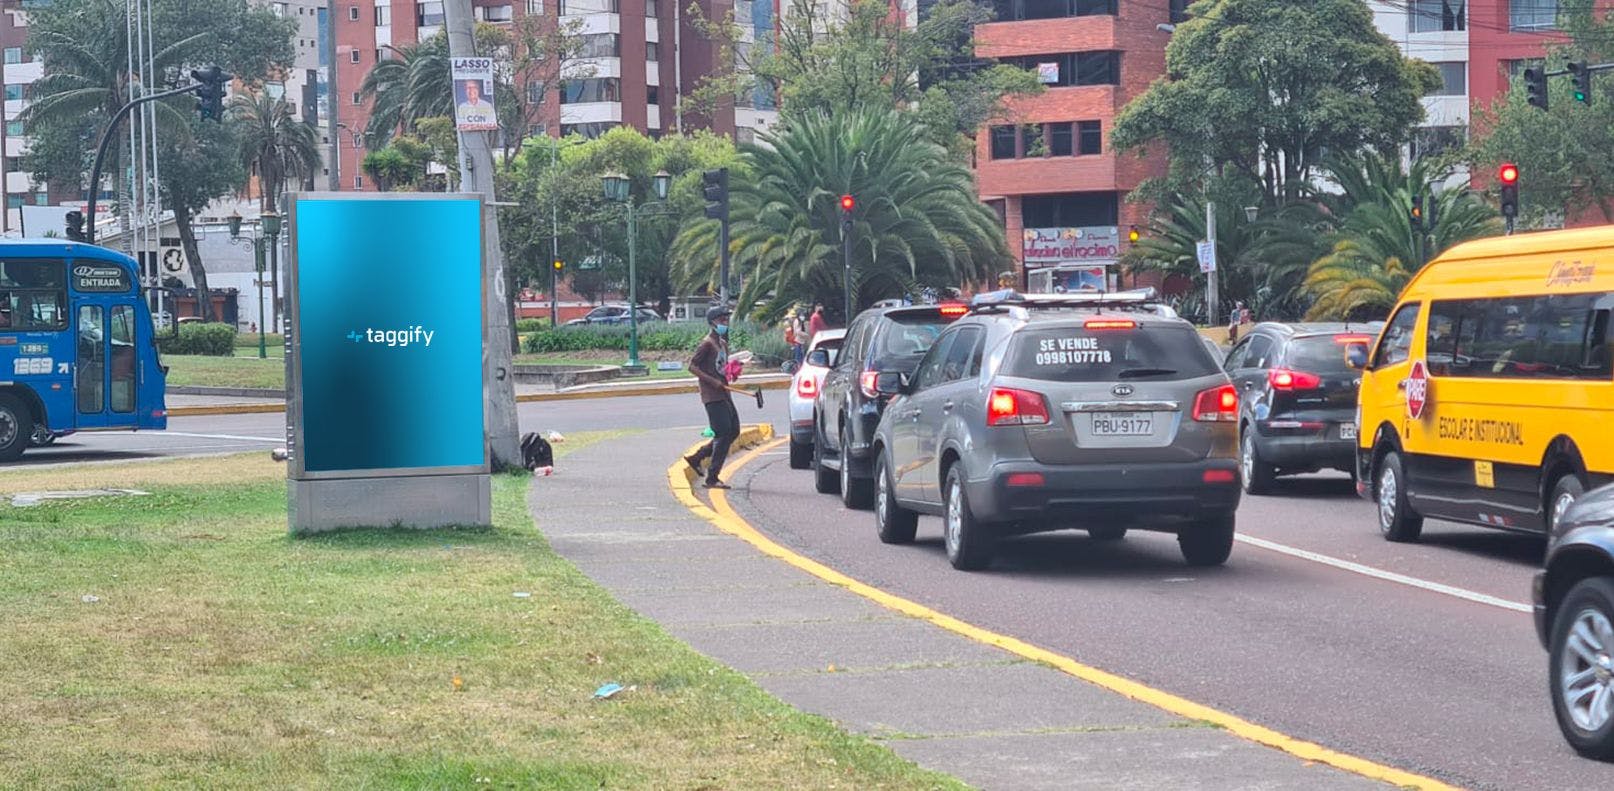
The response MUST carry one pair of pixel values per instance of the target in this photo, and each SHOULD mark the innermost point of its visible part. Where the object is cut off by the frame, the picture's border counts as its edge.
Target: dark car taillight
(1285, 379)
(866, 383)
(1009, 407)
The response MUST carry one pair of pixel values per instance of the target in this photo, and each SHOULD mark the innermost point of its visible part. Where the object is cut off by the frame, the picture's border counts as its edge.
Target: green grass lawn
(242, 370)
(611, 358)
(221, 653)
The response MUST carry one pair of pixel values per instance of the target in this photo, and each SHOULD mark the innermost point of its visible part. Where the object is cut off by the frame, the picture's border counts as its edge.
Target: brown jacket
(707, 366)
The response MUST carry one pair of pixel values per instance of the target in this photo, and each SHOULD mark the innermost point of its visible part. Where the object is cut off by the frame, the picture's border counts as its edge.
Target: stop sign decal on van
(1417, 390)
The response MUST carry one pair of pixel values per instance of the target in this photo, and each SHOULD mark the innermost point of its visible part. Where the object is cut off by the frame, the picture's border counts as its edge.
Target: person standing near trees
(817, 324)
(708, 365)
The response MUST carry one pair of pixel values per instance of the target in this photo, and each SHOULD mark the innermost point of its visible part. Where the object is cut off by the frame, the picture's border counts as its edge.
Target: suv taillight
(1218, 404)
(866, 383)
(807, 386)
(1285, 379)
(1010, 407)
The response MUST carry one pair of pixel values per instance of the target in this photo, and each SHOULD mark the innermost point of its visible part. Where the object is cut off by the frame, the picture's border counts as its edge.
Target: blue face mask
(721, 329)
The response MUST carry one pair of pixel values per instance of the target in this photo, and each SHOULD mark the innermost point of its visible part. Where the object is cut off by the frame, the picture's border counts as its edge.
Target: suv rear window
(1077, 354)
(911, 334)
(1323, 354)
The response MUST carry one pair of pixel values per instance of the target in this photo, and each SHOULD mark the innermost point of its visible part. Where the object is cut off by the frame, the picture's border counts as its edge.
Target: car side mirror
(890, 383)
(818, 357)
(1356, 356)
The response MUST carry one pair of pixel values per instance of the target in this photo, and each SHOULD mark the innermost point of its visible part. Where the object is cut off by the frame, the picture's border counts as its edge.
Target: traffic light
(75, 226)
(210, 92)
(1132, 235)
(715, 186)
(1508, 174)
(1535, 86)
(559, 265)
(1580, 74)
(848, 203)
(1417, 211)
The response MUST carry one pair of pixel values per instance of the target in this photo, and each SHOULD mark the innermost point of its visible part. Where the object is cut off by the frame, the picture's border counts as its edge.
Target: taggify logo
(408, 336)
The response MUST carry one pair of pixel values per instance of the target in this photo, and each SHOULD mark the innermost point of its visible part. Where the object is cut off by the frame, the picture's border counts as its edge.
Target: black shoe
(718, 485)
(695, 463)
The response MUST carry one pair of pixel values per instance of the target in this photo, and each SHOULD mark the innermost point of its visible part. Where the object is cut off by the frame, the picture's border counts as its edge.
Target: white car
(804, 391)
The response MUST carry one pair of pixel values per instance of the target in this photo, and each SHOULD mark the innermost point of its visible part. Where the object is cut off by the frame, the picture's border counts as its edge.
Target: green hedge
(246, 340)
(766, 343)
(531, 325)
(217, 340)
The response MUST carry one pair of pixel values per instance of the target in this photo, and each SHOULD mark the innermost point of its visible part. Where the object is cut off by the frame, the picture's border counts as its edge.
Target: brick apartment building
(1047, 167)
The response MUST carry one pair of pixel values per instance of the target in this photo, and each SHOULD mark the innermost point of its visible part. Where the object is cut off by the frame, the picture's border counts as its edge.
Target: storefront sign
(1054, 246)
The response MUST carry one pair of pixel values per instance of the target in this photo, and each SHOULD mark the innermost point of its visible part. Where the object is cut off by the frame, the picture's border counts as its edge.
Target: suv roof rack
(1009, 299)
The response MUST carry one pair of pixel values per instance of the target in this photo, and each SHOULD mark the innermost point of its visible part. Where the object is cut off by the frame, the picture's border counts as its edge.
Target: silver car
(1034, 414)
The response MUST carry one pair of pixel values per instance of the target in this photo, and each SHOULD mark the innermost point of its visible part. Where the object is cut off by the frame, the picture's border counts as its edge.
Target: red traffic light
(1509, 173)
(847, 203)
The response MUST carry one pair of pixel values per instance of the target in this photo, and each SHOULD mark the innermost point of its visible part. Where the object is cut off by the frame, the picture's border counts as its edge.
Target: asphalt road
(216, 434)
(1422, 680)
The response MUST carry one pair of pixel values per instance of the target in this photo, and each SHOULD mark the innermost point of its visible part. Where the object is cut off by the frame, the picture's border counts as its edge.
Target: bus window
(1396, 346)
(123, 359)
(91, 360)
(33, 295)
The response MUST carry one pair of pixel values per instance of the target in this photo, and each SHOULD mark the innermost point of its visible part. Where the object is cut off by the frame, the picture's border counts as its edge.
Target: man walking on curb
(707, 366)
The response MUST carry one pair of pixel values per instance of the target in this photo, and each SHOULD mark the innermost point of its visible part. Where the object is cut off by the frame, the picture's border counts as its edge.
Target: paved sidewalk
(939, 699)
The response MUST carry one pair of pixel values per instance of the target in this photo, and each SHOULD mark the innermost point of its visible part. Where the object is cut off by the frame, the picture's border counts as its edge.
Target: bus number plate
(27, 366)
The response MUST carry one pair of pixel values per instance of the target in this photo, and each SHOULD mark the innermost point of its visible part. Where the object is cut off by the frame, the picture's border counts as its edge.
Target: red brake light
(1009, 407)
(1024, 479)
(1110, 324)
(1285, 379)
(807, 386)
(953, 310)
(866, 383)
(1349, 339)
(1218, 404)
(1218, 476)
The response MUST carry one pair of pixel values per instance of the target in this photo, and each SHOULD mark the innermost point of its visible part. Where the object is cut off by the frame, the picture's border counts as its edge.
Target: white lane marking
(1388, 576)
(216, 436)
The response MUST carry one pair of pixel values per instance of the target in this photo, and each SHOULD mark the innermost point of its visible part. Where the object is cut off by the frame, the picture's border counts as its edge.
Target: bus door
(105, 373)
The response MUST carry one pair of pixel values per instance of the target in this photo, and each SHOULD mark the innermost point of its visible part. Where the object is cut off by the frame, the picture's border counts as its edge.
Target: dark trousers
(725, 422)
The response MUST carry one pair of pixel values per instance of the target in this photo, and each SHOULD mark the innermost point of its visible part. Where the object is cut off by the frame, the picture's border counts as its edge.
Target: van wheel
(1257, 476)
(1396, 519)
(825, 481)
(801, 455)
(970, 544)
(897, 524)
(1565, 491)
(1582, 648)
(16, 427)
(1208, 541)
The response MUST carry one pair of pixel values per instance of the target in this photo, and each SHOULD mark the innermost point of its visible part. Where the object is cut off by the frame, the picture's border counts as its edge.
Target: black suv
(881, 340)
(1574, 614)
(1297, 399)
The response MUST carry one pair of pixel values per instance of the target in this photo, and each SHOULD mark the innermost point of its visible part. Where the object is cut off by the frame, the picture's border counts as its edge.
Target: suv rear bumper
(1306, 450)
(1116, 492)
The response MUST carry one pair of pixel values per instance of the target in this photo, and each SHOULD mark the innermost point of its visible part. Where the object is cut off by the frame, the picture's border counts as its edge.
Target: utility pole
(1211, 306)
(476, 176)
(554, 239)
(332, 120)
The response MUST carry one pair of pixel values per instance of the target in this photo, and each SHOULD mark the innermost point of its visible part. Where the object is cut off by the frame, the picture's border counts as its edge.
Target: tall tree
(1263, 88)
(917, 223)
(275, 144)
(197, 167)
(413, 85)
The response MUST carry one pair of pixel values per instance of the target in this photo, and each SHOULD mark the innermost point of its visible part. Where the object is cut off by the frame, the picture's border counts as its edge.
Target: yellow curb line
(648, 390)
(724, 517)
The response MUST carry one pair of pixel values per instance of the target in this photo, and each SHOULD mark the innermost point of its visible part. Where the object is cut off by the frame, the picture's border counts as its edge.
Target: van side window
(1396, 345)
(1541, 337)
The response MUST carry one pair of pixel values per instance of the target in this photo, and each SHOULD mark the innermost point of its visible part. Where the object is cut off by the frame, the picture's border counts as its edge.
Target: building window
(652, 94)
(383, 15)
(1517, 67)
(1074, 68)
(1003, 142)
(358, 182)
(1006, 10)
(1089, 138)
(1070, 210)
(352, 13)
(1431, 141)
(357, 99)
(1031, 141)
(1437, 16)
(41, 199)
(652, 51)
(651, 9)
(1098, 68)
(535, 7)
(535, 92)
(589, 7)
(497, 13)
(1061, 140)
(1453, 78)
(1177, 11)
(379, 55)
(15, 128)
(353, 55)
(13, 54)
(429, 14)
(1533, 14)
(600, 45)
(588, 131)
(13, 201)
(14, 92)
(594, 89)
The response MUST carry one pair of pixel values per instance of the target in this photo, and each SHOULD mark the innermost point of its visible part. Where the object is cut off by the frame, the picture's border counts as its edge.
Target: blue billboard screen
(389, 319)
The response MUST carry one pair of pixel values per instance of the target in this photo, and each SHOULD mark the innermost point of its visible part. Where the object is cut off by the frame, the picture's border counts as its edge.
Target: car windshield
(1322, 354)
(1079, 354)
(912, 333)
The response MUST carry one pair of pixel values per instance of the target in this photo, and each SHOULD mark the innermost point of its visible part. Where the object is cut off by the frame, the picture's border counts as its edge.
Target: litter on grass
(26, 499)
(611, 690)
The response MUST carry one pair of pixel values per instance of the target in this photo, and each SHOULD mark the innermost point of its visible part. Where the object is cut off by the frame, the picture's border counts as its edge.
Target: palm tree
(916, 224)
(407, 88)
(1376, 247)
(276, 145)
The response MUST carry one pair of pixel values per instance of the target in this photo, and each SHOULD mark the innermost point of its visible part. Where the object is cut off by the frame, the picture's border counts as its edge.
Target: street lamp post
(617, 188)
(269, 224)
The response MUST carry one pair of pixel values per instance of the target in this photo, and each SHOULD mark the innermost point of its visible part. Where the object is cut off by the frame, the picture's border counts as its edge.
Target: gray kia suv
(1092, 412)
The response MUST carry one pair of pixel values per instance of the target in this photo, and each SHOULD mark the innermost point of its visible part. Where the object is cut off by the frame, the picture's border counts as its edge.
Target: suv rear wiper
(1134, 373)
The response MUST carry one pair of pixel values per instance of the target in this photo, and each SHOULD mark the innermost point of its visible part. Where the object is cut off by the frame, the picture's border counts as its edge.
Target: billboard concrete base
(415, 501)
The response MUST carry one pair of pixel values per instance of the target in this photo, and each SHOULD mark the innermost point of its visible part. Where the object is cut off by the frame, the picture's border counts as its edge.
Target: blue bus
(78, 348)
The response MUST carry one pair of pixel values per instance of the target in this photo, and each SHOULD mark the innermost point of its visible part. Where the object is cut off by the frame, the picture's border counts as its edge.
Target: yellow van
(1489, 395)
